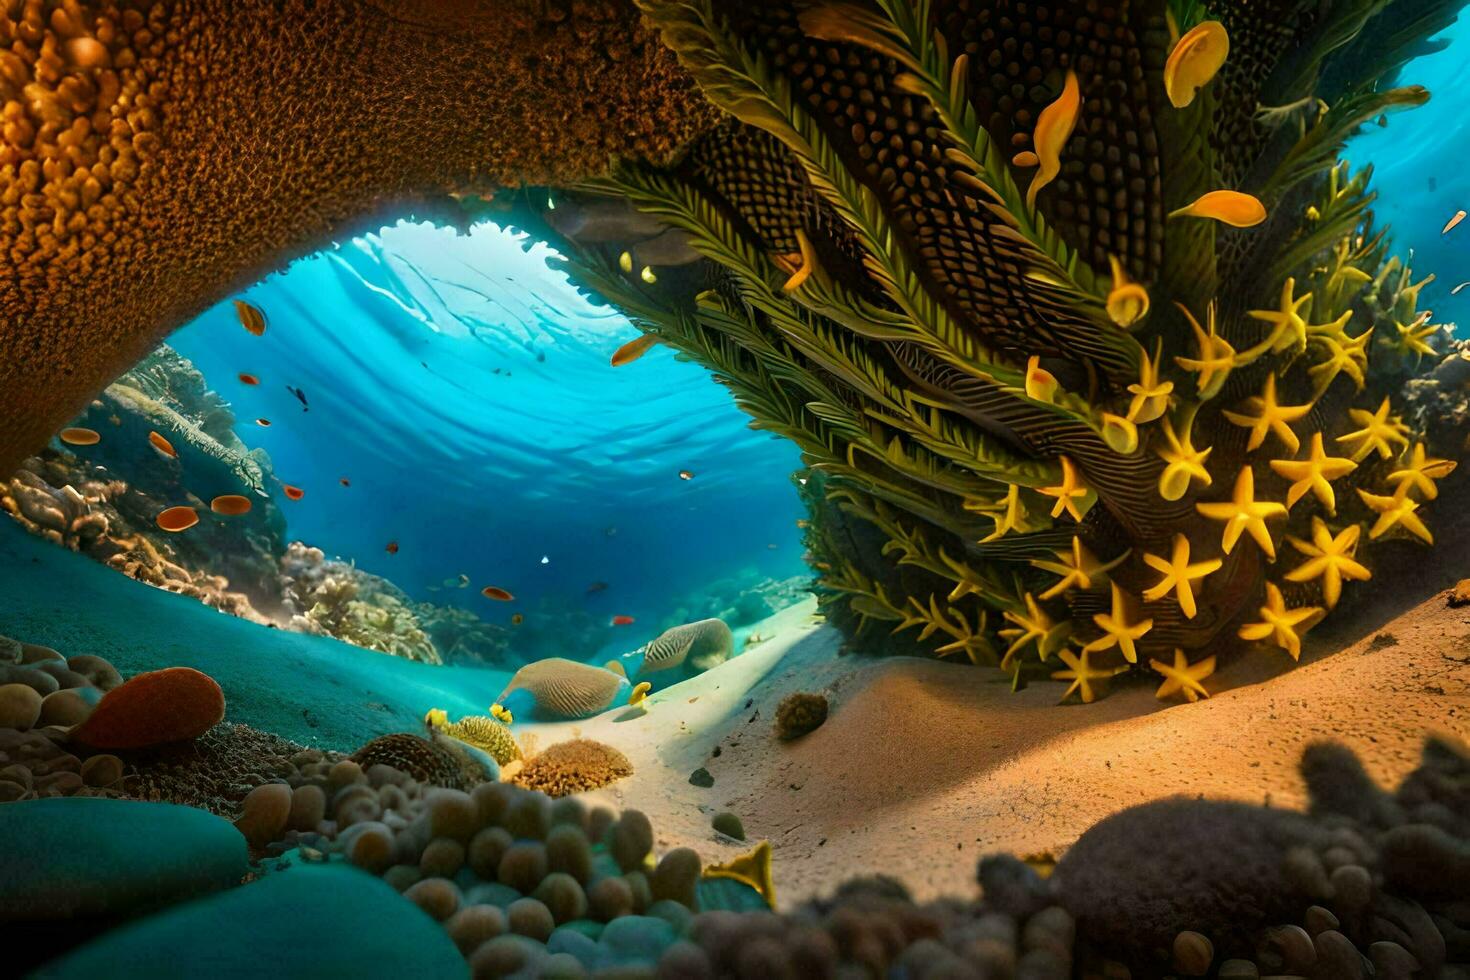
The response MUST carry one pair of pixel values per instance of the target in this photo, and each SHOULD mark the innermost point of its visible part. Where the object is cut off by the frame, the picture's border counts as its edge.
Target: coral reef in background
(130, 204)
(1061, 401)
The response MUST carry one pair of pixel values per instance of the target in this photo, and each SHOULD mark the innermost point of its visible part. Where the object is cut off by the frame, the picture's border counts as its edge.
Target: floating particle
(263, 423)
(633, 349)
(1456, 290)
(300, 396)
(293, 493)
(248, 379)
(546, 559)
(496, 593)
(391, 547)
(162, 445)
(77, 436)
(345, 482)
(517, 619)
(252, 318)
(1449, 225)
(177, 519)
(686, 474)
(622, 620)
(230, 504)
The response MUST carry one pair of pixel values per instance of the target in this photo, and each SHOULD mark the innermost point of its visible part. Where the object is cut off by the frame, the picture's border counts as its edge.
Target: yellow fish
(633, 349)
(753, 869)
(1227, 207)
(1053, 128)
(1194, 60)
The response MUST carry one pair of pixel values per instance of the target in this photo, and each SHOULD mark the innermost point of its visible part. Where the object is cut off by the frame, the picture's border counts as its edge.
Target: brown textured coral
(578, 766)
(800, 714)
(156, 155)
(216, 770)
(425, 761)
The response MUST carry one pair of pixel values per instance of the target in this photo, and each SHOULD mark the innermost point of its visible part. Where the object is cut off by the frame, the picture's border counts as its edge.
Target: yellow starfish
(1150, 395)
(1271, 416)
(1396, 510)
(1244, 513)
(1413, 336)
(1011, 517)
(1216, 356)
(1347, 356)
(1119, 629)
(1184, 677)
(1314, 474)
(1329, 558)
(1178, 575)
(1420, 472)
(1033, 626)
(1281, 625)
(1068, 493)
(1082, 674)
(1378, 432)
(1288, 328)
(1079, 572)
(1184, 462)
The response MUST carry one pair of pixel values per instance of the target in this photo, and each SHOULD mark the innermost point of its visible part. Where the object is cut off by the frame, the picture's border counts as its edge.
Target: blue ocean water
(463, 389)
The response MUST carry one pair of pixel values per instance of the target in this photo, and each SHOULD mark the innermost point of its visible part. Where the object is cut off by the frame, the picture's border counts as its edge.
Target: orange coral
(155, 708)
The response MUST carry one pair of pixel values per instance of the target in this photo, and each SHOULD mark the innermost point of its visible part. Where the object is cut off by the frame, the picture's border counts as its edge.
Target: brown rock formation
(155, 156)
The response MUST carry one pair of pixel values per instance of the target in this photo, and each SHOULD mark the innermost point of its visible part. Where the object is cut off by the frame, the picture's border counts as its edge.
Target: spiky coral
(946, 349)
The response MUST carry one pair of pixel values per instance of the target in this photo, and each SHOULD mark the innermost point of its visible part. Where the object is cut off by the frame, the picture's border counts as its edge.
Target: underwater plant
(1084, 330)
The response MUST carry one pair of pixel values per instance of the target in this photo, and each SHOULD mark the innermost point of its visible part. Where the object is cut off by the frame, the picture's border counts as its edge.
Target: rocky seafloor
(161, 840)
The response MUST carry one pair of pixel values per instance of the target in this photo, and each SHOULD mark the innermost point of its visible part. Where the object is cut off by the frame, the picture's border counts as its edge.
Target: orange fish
(517, 619)
(345, 482)
(230, 504)
(622, 620)
(249, 379)
(293, 493)
(162, 445)
(391, 548)
(686, 475)
(263, 423)
(178, 519)
(499, 595)
(79, 437)
(633, 349)
(252, 318)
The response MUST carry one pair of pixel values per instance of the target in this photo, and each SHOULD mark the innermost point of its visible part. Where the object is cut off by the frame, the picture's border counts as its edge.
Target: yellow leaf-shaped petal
(1194, 60)
(1041, 384)
(1127, 300)
(1053, 129)
(1227, 207)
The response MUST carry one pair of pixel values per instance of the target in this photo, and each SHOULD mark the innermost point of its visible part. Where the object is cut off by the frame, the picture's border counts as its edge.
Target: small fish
(248, 379)
(1456, 290)
(517, 619)
(230, 504)
(546, 559)
(1449, 225)
(464, 580)
(1053, 128)
(1227, 207)
(252, 318)
(496, 593)
(177, 519)
(633, 349)
(300, 396)
(686, 474)
(1194, 60)
(391, 547)
(345, 482)
(263, 423)
(292, 493)
(622, 620)
(77, 436)
(596, 587)
(611, 531)
(162, 445)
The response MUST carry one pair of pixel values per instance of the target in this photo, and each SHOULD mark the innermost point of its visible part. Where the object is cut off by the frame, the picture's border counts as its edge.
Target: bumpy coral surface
(574, 767)
(1097, 369)
(800, 714)
(155, 155)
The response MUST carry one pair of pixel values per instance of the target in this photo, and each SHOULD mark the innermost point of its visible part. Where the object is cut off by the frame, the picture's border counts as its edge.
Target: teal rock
(674, 913)
(637, 939)
(579, 944)
(84, 856)
(729, 895)
(590, 928)
(491, 893)
(306, 923)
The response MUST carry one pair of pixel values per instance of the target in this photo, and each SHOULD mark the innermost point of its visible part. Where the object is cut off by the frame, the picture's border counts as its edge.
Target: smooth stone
(264, 812)
(66, 707)
(89, 856)
(102, 770)
(313, 921)
(1352, 888)
(1391, 961)
(38, 680)
(1337, 957)
(1319, 920)
(34, 653)
(20, 706)
(1193, 953)
(1238, 970)
(10, 650)
(637, 937)
(95, 669)
(64, 675)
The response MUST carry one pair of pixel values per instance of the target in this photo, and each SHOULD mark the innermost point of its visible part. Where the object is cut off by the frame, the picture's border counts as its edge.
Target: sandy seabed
(923, 767)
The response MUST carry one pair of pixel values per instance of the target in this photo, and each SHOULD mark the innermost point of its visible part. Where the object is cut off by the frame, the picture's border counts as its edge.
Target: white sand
(925, 766)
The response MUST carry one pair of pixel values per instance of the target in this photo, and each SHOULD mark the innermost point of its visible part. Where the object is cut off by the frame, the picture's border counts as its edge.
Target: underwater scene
(914, 489)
